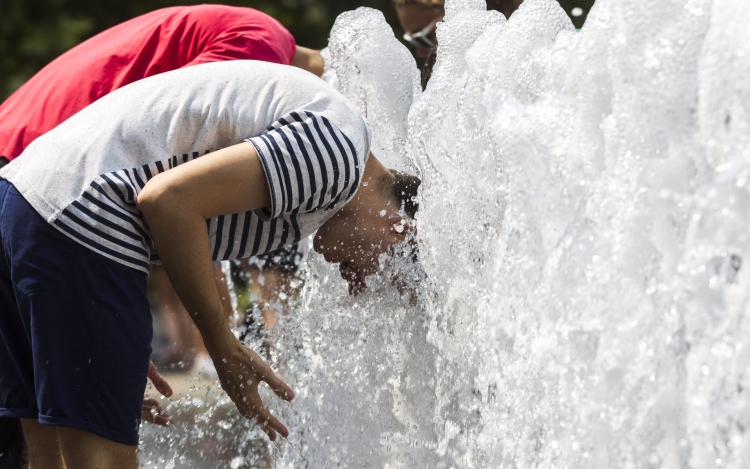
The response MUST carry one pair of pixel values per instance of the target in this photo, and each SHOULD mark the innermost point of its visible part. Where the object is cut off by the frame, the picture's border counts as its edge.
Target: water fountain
(583, 239)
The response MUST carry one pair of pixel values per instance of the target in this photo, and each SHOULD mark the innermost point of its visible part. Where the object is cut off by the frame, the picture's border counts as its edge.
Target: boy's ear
(401, 228)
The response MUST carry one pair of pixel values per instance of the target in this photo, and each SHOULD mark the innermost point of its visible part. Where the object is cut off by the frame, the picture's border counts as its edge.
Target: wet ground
(207, 433)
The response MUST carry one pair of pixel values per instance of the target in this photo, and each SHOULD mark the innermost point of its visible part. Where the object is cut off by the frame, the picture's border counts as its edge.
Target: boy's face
(356, 240)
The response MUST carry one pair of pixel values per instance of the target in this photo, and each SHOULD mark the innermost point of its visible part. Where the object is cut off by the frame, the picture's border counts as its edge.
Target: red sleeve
(270, 45)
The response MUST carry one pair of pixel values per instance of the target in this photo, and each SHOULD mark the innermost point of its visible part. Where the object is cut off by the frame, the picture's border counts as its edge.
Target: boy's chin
(346, 269)
(356, 287)
(353, 278)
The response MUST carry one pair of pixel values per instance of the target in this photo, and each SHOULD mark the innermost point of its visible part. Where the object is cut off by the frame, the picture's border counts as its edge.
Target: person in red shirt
(156, 42)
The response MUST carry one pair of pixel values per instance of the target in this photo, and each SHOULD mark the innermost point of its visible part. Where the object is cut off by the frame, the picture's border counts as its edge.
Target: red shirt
(157, 42)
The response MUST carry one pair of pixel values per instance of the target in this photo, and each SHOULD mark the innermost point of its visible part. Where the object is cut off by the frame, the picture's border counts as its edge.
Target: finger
(152, 412)
(256, 411)
(148, 416)
(163, 420)
(159, 382)
(279, 387)
(271, 423)
(150, 402)
(267, 429)
(152, 405)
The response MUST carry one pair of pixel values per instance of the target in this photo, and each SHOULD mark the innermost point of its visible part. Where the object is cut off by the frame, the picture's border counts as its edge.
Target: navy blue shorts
(75, 329)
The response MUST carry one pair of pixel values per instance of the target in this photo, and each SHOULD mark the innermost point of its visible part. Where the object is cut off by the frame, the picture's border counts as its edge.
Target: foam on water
(584, 239)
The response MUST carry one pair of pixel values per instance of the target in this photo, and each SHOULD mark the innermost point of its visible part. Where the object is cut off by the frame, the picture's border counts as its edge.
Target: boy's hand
(158, 381)
(151, 411)
(240, 372)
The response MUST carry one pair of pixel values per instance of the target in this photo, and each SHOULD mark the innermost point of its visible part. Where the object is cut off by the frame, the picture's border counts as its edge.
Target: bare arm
(176, 204)
(309, 59)
(222, 286)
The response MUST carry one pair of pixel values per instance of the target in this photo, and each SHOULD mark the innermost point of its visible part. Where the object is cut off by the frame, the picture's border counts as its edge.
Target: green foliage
(34, 32)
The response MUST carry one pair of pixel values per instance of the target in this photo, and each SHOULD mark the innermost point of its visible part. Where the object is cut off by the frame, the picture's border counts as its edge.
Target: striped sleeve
(310, 164)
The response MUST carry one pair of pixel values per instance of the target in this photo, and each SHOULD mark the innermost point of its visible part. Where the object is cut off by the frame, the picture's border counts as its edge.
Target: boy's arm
(222, 286)
(175, 205)
(310, 60)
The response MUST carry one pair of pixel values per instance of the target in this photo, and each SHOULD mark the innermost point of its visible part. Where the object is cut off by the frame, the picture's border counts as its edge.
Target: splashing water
(583, 235)
(366, 63)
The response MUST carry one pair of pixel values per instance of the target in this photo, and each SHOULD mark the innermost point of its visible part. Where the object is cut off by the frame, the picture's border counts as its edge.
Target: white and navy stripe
(319, 167)
(310, 164)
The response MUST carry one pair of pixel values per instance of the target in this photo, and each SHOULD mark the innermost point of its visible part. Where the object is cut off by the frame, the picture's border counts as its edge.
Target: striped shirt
(313, 146)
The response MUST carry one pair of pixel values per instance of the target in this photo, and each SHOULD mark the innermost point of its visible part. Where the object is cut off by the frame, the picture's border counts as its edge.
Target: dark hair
(405, 187)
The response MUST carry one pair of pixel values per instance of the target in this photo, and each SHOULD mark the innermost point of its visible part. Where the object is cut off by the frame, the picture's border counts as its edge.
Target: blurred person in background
(154, 43)
(419, 18)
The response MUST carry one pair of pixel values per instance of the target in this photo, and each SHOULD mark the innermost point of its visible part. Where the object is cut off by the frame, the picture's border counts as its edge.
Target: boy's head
(380, 216)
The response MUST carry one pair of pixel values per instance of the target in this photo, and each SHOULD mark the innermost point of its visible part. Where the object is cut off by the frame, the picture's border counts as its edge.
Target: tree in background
(34, 32)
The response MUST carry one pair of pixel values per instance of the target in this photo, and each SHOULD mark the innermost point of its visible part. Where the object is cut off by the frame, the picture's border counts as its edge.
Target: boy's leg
(77, 327)
(17, 399)
(80, 449)
(44, 452)
(85, 450)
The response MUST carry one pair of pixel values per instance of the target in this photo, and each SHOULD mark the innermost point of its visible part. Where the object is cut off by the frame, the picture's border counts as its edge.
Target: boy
(131, 182)
(157, 42)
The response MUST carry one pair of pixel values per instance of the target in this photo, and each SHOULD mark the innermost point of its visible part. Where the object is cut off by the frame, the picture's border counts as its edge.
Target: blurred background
(34, 32)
